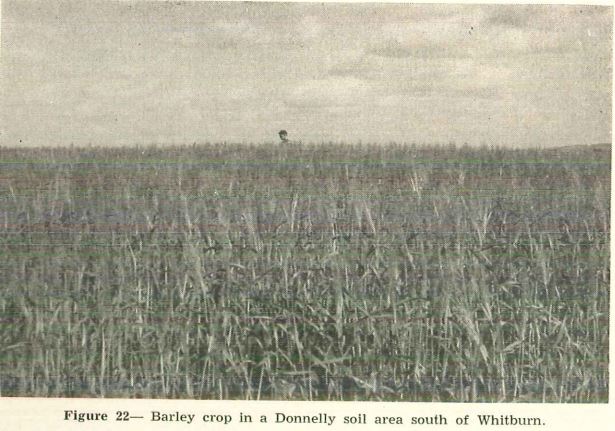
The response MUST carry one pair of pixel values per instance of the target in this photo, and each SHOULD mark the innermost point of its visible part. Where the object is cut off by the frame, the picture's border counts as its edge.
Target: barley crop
(315, 272)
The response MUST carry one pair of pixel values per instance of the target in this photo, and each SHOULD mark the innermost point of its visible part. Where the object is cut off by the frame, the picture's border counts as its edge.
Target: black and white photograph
(305, 201)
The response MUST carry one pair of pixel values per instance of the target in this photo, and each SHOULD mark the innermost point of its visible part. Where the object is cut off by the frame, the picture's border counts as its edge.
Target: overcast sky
(150, 72)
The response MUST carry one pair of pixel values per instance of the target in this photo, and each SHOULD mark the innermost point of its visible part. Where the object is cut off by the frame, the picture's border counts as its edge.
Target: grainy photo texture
(281, 201)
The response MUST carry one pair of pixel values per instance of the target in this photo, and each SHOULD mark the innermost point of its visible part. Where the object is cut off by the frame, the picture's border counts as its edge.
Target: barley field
(314, 272)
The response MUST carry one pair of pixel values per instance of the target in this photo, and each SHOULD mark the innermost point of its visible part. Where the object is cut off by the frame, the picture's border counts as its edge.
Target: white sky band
(138, 73)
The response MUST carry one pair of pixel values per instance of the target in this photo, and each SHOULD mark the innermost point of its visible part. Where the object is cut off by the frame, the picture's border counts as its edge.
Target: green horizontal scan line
(144, 231)
(302, 241)
(382, 250)
(290, 351)
(266, 303)
(292, 162)
(573, 312)
(374, 198)
(125, 252)
(145, 240)
(325, 247)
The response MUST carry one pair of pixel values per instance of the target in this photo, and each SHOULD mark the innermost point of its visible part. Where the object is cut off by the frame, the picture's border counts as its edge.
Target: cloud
(329, 92)
(476, 42)
(219, 70)
(545, 17)
(509, 16)
(492, 31)
(310, 28)
(441, 37)
(393, 48)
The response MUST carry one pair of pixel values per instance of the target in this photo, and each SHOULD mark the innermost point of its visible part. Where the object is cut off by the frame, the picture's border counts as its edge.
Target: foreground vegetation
(317, 272)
